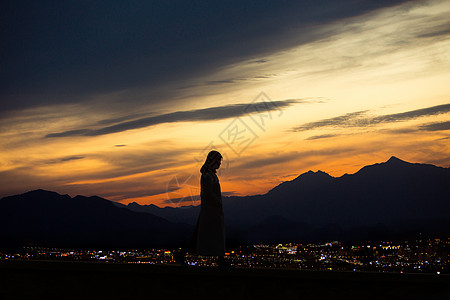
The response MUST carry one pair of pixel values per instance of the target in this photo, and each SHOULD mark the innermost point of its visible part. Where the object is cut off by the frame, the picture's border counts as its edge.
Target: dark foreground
(76, 280)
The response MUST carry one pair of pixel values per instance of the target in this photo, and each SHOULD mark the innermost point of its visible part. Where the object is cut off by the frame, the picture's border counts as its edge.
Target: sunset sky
(124, 99)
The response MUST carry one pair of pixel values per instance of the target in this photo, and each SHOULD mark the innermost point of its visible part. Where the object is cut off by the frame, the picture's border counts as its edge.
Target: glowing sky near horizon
(343, 94)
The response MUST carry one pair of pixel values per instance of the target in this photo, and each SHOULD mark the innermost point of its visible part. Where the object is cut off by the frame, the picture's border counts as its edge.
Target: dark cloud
(66, 51)
(360, 118)
(264, 76)
(400, 130)
(70, 133)
(121, 119)
(413, 114)
(69, 158)
(441, 30)
(64, 159)
(215, 82)
(206, 114)
(349, 119)
(321, 136)
(257, 61)
(437, 126)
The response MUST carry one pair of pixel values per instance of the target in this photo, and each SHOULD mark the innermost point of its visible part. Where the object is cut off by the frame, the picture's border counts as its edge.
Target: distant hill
(184, 214)
(390, 199)
(48, 218)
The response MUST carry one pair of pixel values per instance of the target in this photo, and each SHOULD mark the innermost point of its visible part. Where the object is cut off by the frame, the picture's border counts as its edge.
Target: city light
(421, 255)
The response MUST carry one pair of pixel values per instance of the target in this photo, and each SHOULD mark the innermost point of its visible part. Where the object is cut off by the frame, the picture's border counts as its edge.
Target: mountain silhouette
(386, 192)
(391, 199)
(48, 218)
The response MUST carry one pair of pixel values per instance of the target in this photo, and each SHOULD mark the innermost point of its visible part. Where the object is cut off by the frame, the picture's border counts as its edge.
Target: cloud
(127, 173)
(206, 114)
(64, 159)
(413, 114)
(69, 158)
(360, 118)
(400, 130)
(51, 55)
(437, 126)
(70, 133)
(123, 174)
(215, 82)
(434, 126)
(121, 119)
(349, 119)
(436, 31)
(139, 161)
(321, 136)
(257, 61)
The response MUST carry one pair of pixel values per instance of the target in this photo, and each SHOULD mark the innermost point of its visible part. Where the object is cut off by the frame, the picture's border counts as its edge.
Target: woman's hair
(212, 157)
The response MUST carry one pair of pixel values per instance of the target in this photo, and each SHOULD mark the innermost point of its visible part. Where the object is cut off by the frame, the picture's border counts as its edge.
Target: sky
(124, 99)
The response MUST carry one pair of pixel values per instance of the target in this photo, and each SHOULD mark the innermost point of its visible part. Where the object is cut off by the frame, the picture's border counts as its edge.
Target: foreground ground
(77, 280)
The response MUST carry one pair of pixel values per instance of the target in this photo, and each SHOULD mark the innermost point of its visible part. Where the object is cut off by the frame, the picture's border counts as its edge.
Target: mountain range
(393, 199)
(390, 199)
(48, 218)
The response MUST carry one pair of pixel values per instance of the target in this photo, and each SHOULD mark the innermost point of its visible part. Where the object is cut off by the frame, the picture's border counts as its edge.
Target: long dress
(210, 228)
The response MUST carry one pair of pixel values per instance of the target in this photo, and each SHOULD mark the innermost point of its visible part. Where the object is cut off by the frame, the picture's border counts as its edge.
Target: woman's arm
(209, 192)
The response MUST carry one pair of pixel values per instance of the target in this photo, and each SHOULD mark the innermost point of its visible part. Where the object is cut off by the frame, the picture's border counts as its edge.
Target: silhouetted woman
(210, 229)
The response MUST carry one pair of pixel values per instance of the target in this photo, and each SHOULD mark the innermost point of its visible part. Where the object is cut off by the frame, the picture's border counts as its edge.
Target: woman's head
(212, 162)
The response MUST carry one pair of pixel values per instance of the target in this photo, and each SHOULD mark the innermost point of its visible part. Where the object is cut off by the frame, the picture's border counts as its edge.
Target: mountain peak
(307, 178)
(312, 174)
(394, 160)
(133, 204)
(43, 194)
(40, 192)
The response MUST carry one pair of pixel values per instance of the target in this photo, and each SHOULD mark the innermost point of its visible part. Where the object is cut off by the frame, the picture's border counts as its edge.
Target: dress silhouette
(209, 232)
